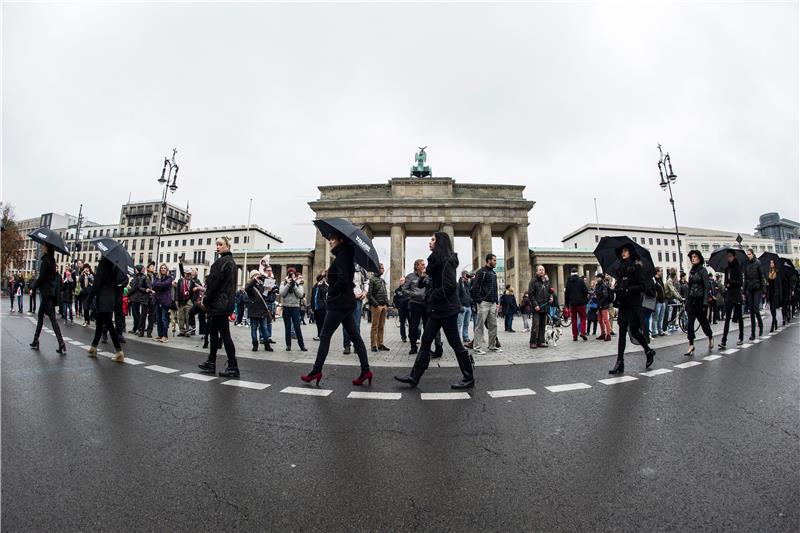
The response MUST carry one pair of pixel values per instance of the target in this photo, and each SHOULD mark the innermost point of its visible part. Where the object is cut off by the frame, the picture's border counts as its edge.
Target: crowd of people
(429, 301)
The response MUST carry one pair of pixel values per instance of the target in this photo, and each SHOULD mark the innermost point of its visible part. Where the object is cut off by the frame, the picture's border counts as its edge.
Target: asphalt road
(96, 445)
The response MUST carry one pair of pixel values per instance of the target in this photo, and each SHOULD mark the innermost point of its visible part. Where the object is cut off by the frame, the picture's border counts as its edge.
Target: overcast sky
(271, 100)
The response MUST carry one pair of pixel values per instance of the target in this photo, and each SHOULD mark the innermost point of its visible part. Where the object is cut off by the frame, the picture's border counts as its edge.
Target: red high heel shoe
(366, 376)
(313, 376)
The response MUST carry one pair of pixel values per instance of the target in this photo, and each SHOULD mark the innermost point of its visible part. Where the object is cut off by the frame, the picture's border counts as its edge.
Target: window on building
(673, 242)
(246, 239)
(133, 244)
(141, 258)
(597, 238)
(658, 242)
(208, 241)
(184, 242)
(169, 243)
(191, 242)
(175, 257)
(150, 247)
(651, 240)
(674, 258)
(659, 257)
(704, 247)
(160, 258)
(236, 240)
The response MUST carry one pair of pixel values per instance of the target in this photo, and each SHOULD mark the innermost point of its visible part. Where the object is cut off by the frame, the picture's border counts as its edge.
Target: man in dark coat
(46, 285)
(733, 298)
(106, 293)
(576, 296)
(219, 303)
(400, 301)
(753, 285)
(318, 296)
(539, 294)
(137, 297)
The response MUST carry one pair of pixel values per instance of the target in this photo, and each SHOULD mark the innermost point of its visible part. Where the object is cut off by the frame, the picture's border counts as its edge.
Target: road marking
(614, 381)
(773, 333)
(162, 369)
(755, 341)
(246, 384)
(307, 392)
(67, 339)
(508, 393)
(132, 361)
(198, 377)
(712, 357)
(745, 346)
(656, 372)
(568, 387)
(689, 364)
(375, 395)
(729, 351)
(75, 343)
(444, 396)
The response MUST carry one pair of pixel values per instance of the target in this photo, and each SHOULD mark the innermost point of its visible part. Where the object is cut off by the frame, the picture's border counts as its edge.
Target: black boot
(467, 382)
(651, 353)
(438, 352)
(465, 363)
(104, 338)
(35, 344)
(255, 346)
(205, 344)
(619, 368)
(408, 379)
(230, 371)
(268, 346)
(209, 367)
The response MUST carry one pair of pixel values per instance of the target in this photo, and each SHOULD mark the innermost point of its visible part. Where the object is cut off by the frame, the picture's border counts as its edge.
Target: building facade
(781, 230)
(143, 218)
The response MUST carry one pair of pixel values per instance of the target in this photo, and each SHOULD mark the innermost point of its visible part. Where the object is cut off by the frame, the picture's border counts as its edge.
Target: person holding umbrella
(699, 296)
(104, 291)
(218, 303)
(753, 285)
(45, 283)
(628, 301)
(733, 295)
(445, 305)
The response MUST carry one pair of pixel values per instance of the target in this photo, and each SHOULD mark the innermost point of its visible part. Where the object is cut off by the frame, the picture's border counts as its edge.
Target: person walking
(218, 302)
(67, 294)
(45, 283)
(541, 298)
(341, 303)
(105, 292)
(733, 298)
(484, 295)
(602, 294)
(378, 298)
(444, 309)
(183, 299)
(10, 286)
(698, 297)
(137, 297)
(32, 296)
(400, 302)
(628, 301)
(657, 318)
(292, 292)
(508, 303)
(257, 312)
(360, 288)
(19, 287)
(162, 287)
(576, 296)
(318, 296)
(416, 303)
(753, 285)
(86, 281)
(774, 292)
(148, 307)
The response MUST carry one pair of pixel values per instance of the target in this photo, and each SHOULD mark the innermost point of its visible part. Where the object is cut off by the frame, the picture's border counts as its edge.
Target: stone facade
(406, 207)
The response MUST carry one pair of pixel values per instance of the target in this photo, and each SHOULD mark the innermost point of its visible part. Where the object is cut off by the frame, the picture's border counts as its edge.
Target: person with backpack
(257, 311)
(603, 297)
(576, 296)
(591, 313)
(508, 303)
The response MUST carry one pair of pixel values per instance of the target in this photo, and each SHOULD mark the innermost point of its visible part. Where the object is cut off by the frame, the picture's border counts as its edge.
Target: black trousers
(629, 319)
(201, 318)
(219, 327)
(104, 322)
(319, 319)
(733, 310)
(402, 311)
(148, 315)
(754, 303)
(333, 318)
(32, 302)
(450, 327)
(47, 307)
(538, 327)
(695, 310)
(291, 317)
(418, 315)
(135, 314)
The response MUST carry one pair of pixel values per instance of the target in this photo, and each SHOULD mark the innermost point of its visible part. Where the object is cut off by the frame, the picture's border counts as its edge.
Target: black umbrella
(719, 258)
(765, 258)
(49, 237)
(116, 253)
(608, 255)
(789, 269)
(365, 254)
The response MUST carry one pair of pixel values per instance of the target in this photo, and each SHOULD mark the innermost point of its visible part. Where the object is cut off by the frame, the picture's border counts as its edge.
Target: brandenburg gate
(420, 206)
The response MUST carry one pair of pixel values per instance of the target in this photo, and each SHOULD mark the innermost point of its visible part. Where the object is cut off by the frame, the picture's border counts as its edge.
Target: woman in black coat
(774, 293)
(628, 301)
(219, 303)
(698, 297)
(341, 303)
(444, 307)
(46, 284)
(733, 298)
(105, 293)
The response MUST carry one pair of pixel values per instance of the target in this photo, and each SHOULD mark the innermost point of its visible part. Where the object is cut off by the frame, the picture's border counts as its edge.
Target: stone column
(560, 283)
(448, 228)
(486, 242)
(397, 258)
(512, 259)
(321, 254)
(525, 268)
(580, 270)
(477, 252)
(368, 231)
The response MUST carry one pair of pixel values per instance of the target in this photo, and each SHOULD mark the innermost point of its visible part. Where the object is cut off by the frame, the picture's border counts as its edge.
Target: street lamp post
(170, 171)
(668, 177)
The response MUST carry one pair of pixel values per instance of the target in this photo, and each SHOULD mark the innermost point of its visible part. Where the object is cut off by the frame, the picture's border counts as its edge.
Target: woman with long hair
(774, 291)
(218, 303)
(105, 294)
(162, 285)
(46, 284)
(699, 296)
(341, 303)
(445, 305)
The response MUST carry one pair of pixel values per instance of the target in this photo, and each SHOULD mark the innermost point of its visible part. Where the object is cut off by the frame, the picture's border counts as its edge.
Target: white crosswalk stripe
(246, 384)
(162, 369)
(132, 361)
(712, 357)
(568, 387)
(375, 395)
(306, 392)
(198, 377)
(745, 346)
(688, 364)
(445, 396)
(509, 393)
(656, 372)
(614, 381)
(729, 351)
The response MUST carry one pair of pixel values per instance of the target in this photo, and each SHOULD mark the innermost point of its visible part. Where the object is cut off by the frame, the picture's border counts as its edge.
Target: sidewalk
(514, 345)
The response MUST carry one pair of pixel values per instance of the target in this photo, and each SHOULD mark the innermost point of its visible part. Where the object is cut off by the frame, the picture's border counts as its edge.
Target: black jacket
(340, 278)
(539, 293)
(400, 299)
(442, 275)
(630, 285)
(319, 296)
(659, 287)
(602, 293)
(221, 286)
(45, 282)
(774, 291)
(463, 293)
(256, 306)
(576, 293)
(753, 275)
(137, 291)
(733, 283)
(484, 286)
(105, 289)
(699, 284)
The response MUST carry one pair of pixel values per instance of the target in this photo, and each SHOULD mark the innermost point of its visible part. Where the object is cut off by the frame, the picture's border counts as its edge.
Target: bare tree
(12, 241)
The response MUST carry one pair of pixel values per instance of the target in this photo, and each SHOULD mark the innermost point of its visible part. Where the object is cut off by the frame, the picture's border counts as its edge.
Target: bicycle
(680, 318)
